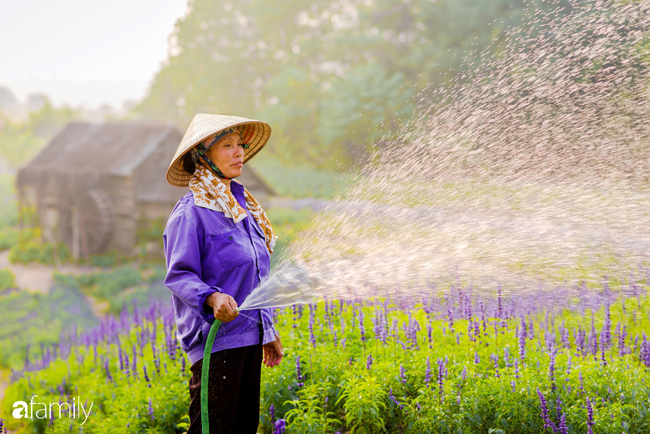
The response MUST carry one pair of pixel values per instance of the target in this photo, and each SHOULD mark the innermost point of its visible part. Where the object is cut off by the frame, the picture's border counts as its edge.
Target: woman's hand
(273, 353)
(223, 306)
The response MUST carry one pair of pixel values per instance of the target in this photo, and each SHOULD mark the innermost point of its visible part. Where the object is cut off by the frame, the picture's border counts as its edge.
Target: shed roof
(114, 148)
(82, 150)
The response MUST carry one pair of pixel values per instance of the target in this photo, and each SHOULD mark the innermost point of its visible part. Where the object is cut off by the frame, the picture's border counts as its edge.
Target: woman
(218, 242)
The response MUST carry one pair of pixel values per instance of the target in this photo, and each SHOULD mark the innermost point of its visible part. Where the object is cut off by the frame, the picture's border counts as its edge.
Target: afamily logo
(44, 411)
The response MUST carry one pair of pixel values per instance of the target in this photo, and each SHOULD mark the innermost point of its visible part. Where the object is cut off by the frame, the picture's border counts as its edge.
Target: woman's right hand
(223, 306)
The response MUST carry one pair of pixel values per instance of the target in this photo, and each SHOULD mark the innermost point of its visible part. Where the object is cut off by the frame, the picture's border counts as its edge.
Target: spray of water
(530, 170)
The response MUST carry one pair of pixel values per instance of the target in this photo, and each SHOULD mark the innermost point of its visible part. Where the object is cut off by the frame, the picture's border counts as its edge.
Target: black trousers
(233, 391)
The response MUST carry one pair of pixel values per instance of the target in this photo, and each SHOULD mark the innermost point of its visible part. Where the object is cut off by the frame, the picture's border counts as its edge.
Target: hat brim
(253, 132)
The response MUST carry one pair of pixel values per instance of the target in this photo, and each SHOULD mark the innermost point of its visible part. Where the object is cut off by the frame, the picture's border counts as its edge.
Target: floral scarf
(211, 192)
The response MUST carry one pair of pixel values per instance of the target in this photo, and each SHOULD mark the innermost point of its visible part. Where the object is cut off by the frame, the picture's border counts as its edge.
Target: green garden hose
(205, 368)
(207, 352)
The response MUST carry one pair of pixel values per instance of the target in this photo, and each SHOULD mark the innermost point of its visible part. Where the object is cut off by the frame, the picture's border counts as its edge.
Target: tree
(331, 76)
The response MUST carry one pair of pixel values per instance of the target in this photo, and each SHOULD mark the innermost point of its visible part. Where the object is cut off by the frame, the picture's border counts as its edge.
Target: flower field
(571, 360)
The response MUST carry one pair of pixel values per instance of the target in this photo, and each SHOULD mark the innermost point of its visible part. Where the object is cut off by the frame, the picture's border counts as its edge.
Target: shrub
(7, 279)
(9, 237)
(31, 250)
(105, 260)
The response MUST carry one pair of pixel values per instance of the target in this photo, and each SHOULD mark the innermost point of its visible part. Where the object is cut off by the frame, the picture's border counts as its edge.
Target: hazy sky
(84, 51)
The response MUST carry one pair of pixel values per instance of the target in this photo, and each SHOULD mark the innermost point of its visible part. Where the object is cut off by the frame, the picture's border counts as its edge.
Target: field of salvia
(571, 360)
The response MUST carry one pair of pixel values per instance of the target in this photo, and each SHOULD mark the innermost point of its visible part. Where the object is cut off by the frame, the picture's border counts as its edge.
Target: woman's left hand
(273, 353)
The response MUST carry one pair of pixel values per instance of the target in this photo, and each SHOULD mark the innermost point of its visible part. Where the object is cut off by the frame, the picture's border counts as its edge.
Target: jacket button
(230, 238)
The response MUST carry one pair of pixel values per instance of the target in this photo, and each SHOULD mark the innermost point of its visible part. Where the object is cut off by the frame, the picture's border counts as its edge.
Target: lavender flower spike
(590, 417)
(544, 407)
(299, 374)
(401, 374)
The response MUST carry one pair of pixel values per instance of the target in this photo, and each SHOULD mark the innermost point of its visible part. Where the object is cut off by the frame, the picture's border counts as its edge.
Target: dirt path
(39, 277)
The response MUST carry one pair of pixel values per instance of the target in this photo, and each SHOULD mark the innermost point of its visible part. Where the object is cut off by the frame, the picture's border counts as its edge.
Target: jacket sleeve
(267, 324)
(183, 241)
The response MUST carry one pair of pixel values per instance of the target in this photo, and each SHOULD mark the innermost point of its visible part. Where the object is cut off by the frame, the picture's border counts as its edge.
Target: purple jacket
(208, 252)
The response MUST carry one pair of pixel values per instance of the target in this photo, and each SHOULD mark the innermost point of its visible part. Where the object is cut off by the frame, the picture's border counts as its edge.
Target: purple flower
(522, 340)
(582, 384)
(427, 373)
(401, 374)
(562, 428)
(644, 352)
(506, 357)
(394, 400)
(151, 410)
(621, 342)
(146, 377)
(517, 369)
(441, 371)
(312, 337)
(272, 414)
(280, 427)
(580, 341)
(369, 361)
(551, 368)
(590, 417)
(477, 359)
(495, 360)
(298, 373)
(362, 328)
(108, 372)
(544, 407)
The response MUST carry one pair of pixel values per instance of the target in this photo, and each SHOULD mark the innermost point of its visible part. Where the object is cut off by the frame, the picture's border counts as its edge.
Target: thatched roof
(114, 148)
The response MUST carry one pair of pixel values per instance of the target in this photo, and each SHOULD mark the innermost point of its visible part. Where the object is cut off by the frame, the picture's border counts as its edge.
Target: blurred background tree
(22, 140)
(330, 76)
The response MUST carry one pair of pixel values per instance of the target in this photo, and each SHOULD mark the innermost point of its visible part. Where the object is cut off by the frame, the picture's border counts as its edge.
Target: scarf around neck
(212, 193)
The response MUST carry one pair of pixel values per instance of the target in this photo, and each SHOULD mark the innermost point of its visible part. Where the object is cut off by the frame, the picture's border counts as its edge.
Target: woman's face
(228, 155)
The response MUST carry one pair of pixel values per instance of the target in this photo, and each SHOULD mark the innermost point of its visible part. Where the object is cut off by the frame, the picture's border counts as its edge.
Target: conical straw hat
(255, 133)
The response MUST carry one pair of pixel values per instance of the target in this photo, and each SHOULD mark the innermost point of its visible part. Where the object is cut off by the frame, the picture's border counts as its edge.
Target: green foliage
(9, 237)
(364, 404)
(330, 77)
(35, 251)
(309, 413)
(159, 272)
(104, 260)
(152, 231)
(7, 279)
(110, 285)
(8, 209)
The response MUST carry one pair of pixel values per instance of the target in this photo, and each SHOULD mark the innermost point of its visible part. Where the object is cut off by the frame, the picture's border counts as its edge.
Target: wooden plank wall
(124, 238)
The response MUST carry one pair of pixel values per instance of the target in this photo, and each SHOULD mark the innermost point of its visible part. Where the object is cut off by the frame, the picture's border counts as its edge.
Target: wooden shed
(96, 184)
